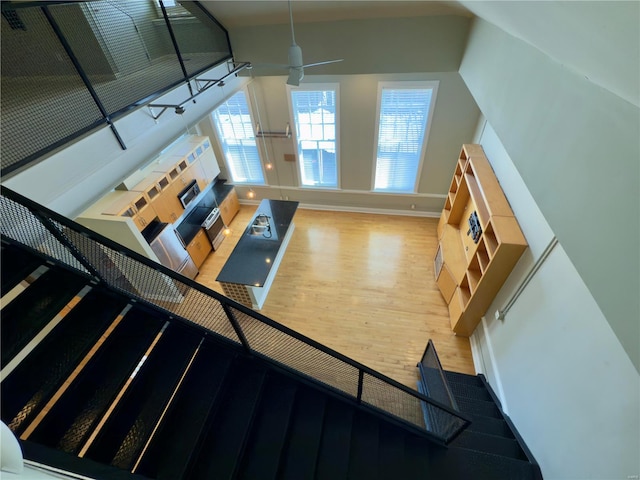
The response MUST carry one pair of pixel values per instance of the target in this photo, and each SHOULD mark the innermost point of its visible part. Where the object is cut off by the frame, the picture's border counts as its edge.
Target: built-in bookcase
(480, 241)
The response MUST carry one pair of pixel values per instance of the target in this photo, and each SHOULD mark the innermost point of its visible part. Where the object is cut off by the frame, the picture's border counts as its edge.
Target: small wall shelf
(480, 241)
(261, 134)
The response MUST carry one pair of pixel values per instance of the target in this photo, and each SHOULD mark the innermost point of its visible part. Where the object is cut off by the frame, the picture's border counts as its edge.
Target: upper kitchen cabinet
(152, 192)
(159, 189)
(196, 151)
(135, 205)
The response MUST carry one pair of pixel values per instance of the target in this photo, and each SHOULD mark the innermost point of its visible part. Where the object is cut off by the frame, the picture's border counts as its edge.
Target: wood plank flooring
(363, 285)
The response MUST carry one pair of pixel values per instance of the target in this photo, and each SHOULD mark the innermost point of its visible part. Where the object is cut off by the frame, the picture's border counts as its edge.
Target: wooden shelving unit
(480, 241)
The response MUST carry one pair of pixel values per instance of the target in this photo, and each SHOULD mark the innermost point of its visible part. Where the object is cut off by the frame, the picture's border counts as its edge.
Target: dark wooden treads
(17, 264)
(32, 383)
(364, 447)
(269, 432)
(335, 446)
(223, 446)
(27, 315)
(136, 414)
(299, 460)
(180, 431)
(72, 419)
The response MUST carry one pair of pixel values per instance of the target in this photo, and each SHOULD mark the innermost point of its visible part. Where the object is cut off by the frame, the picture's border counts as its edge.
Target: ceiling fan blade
(270, 65)
(323, 63)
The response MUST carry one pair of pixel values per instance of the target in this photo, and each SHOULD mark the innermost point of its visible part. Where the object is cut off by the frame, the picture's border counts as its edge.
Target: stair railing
(433, 383)
(102, 260)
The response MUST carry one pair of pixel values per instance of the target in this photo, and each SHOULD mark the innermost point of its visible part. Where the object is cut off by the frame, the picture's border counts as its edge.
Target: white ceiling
(597, 39)
(242, 13)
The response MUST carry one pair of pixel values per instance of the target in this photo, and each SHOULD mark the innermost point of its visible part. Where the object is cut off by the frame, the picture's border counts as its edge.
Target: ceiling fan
(296, 66)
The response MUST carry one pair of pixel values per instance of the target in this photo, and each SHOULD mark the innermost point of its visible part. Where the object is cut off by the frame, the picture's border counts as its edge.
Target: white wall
(561, 373)
(576, 146)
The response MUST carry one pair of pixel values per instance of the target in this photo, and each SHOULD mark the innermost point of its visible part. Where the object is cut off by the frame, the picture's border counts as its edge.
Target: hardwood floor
(363, 285)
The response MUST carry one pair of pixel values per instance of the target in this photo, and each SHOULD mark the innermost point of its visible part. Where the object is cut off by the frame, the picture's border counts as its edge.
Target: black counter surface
(209, 199)
(253, 257)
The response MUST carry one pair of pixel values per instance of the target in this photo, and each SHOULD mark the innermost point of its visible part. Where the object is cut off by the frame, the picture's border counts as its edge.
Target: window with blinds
(315, 114)
(237, 139)
(405, 110)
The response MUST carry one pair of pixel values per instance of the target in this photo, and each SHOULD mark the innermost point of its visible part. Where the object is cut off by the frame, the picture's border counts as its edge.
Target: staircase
(98, 381)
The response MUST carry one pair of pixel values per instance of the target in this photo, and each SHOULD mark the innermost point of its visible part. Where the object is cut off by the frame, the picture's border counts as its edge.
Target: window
(405, 111)
(315, 114)
(235, 131)
(173, 8)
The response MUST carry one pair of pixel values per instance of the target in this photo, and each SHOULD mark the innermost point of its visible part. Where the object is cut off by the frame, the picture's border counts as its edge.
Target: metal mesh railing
(71, 67)
(71, 244)
(435, 386)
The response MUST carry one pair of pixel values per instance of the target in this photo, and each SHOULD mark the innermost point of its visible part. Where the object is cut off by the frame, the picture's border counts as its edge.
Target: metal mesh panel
(43, 98)
(21, 225)
(434, 378)
(298, 355)
(142, 281)
(201, 42)
(124, 48)
(379, 394)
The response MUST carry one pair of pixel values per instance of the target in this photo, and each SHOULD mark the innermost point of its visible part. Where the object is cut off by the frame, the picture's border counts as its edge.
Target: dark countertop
(209, 199)
(252, 258)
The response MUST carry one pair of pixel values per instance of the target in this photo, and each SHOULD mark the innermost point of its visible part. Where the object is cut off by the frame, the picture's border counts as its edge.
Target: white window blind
(403, 122)
(235, 131)
(315, 116)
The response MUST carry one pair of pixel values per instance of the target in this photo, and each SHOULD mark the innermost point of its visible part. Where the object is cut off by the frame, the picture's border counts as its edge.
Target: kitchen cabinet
(135, 205)
(479, 243)
(158, 189)
(199, 248)
(229, 207)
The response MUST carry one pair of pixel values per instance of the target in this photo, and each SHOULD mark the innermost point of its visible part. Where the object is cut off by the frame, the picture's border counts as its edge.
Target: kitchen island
(247, 275)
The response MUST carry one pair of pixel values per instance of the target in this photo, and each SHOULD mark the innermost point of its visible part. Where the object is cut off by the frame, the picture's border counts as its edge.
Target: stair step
(489, 425)
(34, 381)
(364, 447)
(269, 433)
(466, 390)
(478, 407)
(456, 463)
(170, 451)
(392, 459)
(417, 457)
(506, 447)
(28, 314)
(303, 443)
(333, 456)
(74, 416)
(463, 378)
(17, 264)
(128, 427)
(227, 435)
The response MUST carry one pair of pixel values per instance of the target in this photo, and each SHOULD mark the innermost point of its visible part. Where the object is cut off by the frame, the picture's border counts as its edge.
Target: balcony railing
(117, 267)
(71, 67)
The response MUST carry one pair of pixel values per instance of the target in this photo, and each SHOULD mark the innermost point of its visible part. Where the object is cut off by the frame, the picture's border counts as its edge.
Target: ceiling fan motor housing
(295, 56)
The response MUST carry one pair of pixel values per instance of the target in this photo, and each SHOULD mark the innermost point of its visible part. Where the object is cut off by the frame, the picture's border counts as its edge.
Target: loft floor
(361, 284)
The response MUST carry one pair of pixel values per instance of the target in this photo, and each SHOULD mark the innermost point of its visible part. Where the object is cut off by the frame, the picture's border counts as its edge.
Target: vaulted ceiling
(597, 39)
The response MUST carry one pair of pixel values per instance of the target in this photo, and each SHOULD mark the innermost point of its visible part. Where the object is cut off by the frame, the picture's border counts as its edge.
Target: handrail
(96, 255)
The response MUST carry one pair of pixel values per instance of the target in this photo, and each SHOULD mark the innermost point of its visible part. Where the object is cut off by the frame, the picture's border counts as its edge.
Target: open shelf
(490, 240)
(464, 291)
(483, 256)
(475, 255)
(476, 196)
(474, 273)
